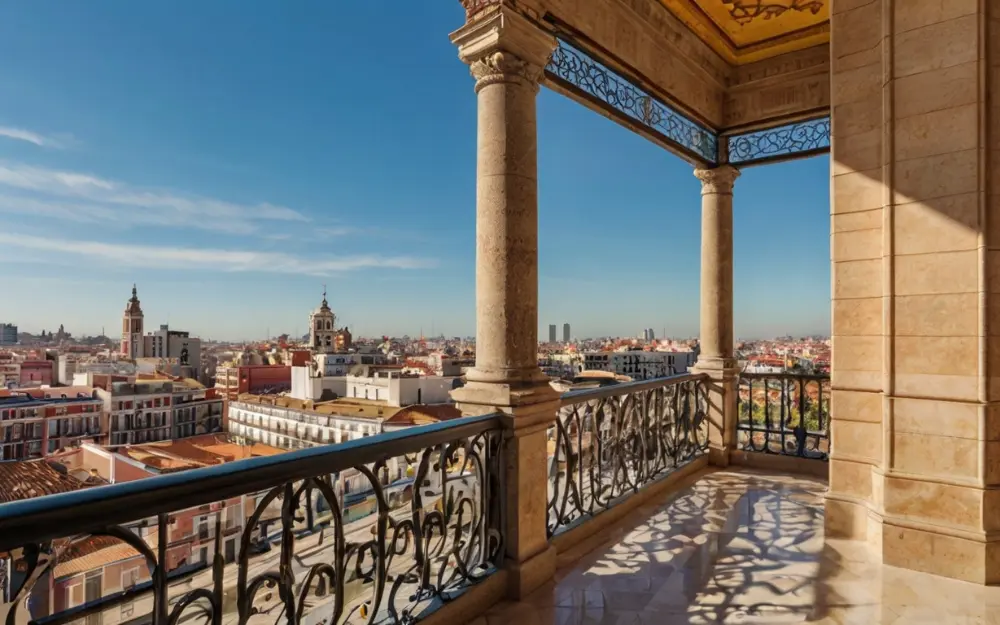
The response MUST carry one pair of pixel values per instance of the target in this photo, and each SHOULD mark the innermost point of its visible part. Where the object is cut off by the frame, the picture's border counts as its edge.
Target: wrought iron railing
(610, 442)
(306, 548)
(784, 413)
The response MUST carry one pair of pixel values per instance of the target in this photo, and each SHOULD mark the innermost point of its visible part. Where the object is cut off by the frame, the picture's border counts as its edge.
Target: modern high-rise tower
(565, 333)
(552, 333)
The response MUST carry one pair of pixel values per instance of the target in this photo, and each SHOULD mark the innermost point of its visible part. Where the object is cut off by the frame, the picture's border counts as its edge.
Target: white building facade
(296, 428)
(639, 365)
(175, 346)
(399, 389)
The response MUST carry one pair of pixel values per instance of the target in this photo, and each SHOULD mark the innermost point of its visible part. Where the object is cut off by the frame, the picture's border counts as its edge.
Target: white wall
(304, 385)
(285, 427)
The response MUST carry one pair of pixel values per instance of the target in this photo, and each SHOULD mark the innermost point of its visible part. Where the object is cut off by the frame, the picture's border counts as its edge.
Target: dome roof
(324, 307)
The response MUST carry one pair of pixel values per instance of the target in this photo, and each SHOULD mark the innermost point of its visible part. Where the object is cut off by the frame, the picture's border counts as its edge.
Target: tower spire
(324, 295)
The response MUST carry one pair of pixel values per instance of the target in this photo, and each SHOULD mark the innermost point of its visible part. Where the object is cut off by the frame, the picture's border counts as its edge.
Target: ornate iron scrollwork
(794, 140)
(785, 414)
(746, 11)
(310, 551)
(611, 442)
(579, 72)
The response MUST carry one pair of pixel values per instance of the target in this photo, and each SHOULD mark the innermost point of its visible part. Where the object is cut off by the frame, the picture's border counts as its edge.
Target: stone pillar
(507, 53)
(716, 341)
(915, 461)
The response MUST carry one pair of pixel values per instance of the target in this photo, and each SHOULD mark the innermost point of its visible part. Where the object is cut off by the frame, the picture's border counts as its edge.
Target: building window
(130, 577)
(74, 595)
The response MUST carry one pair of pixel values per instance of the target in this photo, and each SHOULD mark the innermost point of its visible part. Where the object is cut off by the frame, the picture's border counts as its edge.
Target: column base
(722, 409)
(950, 552)
(523, 578)
(719, 456)
(529, 410)
(524, 399)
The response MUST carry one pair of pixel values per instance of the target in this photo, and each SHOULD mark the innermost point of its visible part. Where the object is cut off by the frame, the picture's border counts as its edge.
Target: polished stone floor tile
(742, 547)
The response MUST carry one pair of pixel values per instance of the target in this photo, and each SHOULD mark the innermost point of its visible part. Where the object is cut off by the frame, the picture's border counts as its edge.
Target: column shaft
(506, 223)
(716, 328)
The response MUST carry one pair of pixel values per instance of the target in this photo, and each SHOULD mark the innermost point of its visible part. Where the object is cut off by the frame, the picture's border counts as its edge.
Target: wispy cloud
(84, 198)
(341, 231)
(20, 134)
(156, 257)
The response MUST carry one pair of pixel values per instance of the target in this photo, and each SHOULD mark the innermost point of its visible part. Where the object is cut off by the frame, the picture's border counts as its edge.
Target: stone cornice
(811, 60)
(504, 46)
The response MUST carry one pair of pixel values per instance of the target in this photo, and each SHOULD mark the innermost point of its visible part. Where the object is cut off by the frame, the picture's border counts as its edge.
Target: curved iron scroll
(609, 446)
(385, 542)
(784, 413)
(579, 72)
(792, 141)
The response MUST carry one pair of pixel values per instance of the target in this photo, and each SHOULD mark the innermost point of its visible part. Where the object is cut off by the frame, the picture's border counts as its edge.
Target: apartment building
(35, 423)
(231, 381)
(639, 365)
(290, 423)
(148, 410)
(196, 410)
(138, 412)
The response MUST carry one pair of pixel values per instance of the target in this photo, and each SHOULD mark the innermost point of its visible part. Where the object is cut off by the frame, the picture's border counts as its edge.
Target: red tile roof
(93, 553)
(422, 414)
(198, 451)
(33, 478)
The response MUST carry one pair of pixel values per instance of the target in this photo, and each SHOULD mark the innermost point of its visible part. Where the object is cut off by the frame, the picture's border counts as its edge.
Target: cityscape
(81, 412)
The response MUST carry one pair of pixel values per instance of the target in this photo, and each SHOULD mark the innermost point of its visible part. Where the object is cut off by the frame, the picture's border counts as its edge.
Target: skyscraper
(552, 333)
(565, 333)
(8, 333)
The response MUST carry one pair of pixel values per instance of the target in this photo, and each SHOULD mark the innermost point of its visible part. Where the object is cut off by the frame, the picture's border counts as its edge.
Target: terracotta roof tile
(421, 414)
(197, 451)
(33, 478)
(93, 553)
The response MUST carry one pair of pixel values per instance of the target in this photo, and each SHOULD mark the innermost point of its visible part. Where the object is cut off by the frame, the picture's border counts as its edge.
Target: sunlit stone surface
(740, 547)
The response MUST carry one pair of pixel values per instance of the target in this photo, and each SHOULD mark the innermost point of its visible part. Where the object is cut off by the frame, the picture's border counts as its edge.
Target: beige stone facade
(909, 87)
(914, 455)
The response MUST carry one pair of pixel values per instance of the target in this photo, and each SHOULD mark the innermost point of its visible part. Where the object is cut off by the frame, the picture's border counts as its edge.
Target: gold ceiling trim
(746, 31)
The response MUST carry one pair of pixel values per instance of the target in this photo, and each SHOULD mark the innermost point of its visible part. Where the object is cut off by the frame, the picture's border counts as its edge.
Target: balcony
(408, 548)
(640, 526)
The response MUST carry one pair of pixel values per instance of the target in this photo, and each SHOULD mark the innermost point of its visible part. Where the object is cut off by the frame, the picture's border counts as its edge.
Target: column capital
(717, 180)
(504, 46)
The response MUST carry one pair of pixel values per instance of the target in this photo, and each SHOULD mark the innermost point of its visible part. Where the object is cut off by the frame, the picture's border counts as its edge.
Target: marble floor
(741, 547)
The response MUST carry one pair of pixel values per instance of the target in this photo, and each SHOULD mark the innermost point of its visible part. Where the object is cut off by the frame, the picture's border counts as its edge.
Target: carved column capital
(717, 180)
(503, 66)
(504, 46)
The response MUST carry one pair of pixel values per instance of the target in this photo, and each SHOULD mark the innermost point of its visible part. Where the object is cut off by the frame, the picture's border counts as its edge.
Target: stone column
(507, 53)
(716, 332)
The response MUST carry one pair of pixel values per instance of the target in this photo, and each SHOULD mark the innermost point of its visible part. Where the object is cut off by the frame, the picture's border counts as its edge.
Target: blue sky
(231, 157)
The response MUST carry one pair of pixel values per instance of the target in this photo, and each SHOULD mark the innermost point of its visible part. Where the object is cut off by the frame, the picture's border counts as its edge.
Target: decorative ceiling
(744, 31)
